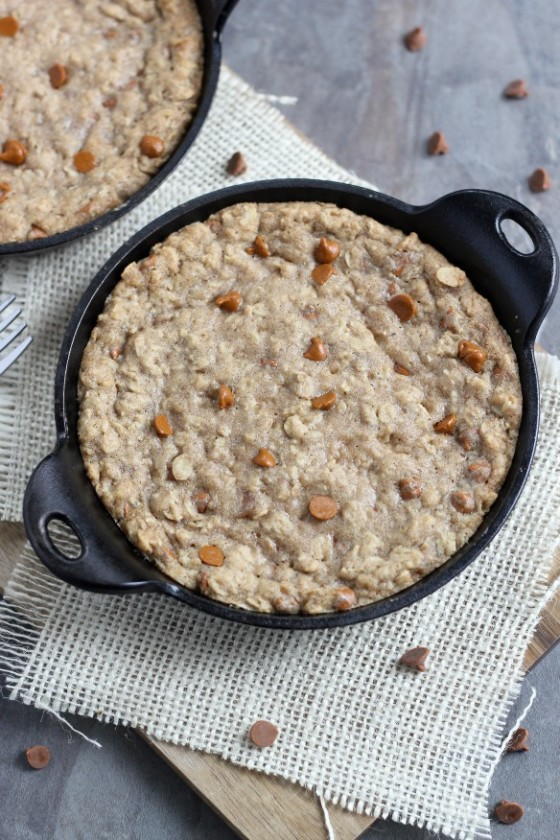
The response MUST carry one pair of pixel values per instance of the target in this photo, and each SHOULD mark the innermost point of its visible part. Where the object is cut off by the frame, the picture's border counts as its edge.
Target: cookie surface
(290, 443)
(98, 94)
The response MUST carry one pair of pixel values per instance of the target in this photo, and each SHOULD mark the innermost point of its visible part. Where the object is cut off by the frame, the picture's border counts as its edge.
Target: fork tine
(9, 338)
(8, 320)
(14, 354)
(7, 302)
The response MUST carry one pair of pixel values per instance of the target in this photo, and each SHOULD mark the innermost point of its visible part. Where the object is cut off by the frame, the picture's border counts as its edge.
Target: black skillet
(465, 226)
(213, 15)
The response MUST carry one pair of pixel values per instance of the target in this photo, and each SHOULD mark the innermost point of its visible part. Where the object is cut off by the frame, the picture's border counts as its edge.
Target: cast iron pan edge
(213, 14)
(464, 225)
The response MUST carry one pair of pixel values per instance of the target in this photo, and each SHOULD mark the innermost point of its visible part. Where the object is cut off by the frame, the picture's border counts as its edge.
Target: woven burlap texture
(49, 286)
(355, 728)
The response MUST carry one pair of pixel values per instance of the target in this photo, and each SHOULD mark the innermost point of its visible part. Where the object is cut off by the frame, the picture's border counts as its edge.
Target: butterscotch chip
(162, 425)
(115, 352)
(472, 355)
(286, 604)
(519, 740)
(9, 26)
(110, 102)
(468, 438)
(263, 733)
(479, 471)
(415, 658)
(403, 306)
(13, 152)
(310, 313)
(326, 251)
(259, 247)
(463, 502)
(38, 757)
(5, 189)
(211, 555)
(446, 426)
(416, 39)
(264, 458)
(230, 301)
(317, 350)
(410, 488)
(201, 501)
(269, 363)
(508, 812)
(344, 599)
(539, 180)
(152, 146)
(322, 507)
(324, 401)
(58, 75)
(225, 397)
(401, 369)
(84, 160)
(437, 144)
(321, 273)
(450, 275)
(236, 165)
(516, 89)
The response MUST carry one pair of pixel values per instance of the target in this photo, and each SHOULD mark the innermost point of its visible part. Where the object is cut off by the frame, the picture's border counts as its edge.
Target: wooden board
(256, 806)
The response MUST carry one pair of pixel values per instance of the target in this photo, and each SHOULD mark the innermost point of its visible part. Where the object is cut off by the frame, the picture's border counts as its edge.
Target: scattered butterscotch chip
(324, 401)
(287, 604)
(162, 425)
(508, 812)
(479, 471)
(5, 189)
(37, 232)
(322, 507)
(269, 363)
(410, 488)
(264, 458)
(450, 275)
(230, 301)
(468, 438)
(263, 733)
(473, 355)
(225, 397)
(437, 144)
(317, 350)
(9, 26)
(326, 251)
(446, 426)
(58, 75)
(539, 180)
(518, 741)
(415, 658)
(201, 501)
(321, 273)
(403, 306)
(115, 352)
(236, 165)
(152, 146)
(516, 89)
(13, 152)
(38, 757)
(84, 160)
(259, 247)
(463, 502)
(344, 599)
(211, 555)
(416, 39)
(310, 313)
(401, 369)
(110, 102)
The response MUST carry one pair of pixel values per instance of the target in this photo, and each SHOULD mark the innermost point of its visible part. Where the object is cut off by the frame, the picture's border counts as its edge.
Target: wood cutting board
(260, 807)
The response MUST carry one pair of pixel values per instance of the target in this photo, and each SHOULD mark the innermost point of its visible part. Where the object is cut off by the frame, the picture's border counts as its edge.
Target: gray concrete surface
(370, 105)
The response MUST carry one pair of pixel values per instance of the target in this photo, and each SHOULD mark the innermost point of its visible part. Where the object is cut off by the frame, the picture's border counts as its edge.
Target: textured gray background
(370, 105)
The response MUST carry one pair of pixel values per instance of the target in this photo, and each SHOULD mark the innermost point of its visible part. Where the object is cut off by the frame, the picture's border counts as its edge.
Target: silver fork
(8, 360)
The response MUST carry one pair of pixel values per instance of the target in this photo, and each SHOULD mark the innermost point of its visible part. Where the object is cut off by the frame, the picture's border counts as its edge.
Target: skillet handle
(57, 491)
(221, 11)
(474, 217)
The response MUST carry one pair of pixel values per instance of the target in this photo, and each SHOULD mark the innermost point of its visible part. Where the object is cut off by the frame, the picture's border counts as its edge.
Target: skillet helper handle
(478, 215)
(53, 494)
(221, 11)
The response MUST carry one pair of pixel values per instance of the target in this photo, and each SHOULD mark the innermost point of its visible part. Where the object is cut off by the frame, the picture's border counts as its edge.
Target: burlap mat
(419, 748)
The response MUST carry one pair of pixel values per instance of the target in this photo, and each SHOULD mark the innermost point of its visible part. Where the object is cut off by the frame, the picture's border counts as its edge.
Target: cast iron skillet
(213, 15)
(464, 225)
